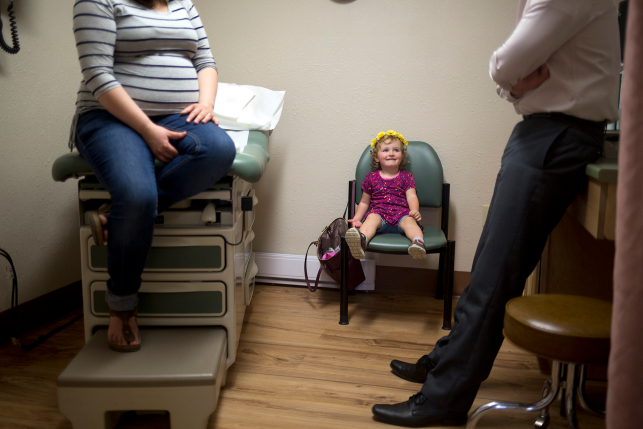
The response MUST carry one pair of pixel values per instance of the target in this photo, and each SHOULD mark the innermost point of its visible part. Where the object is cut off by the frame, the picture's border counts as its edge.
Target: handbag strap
(311, 288)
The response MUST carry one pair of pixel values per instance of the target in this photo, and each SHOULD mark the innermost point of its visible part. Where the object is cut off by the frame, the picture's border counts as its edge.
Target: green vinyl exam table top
(248, 165)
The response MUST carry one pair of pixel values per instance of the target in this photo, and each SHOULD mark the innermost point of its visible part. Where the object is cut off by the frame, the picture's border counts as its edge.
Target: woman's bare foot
(103, 222)
(98, 224)
(115, 331)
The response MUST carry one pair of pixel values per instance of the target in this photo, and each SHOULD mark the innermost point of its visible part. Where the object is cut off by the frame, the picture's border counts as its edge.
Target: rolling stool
(573, 331)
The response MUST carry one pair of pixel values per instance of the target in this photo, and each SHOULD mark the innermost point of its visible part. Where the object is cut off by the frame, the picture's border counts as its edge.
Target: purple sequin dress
(388, 196)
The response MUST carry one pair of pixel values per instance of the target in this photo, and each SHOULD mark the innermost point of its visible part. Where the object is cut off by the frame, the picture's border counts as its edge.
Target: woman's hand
(415, 215)
(355, 222)
(158, 140)
(200, 113)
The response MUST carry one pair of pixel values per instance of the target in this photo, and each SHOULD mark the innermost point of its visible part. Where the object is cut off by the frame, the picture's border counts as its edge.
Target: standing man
(560, 69)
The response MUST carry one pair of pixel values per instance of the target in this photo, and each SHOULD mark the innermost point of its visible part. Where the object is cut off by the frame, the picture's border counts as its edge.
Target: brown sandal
(97, 226)
(417, 250)
(357, 243)
(128, 334)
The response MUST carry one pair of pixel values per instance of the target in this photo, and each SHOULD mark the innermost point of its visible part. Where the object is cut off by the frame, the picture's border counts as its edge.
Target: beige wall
(350, 69)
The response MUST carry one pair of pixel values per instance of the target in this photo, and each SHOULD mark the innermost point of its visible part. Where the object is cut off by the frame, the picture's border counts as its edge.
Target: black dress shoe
(418, 412)
(415, 372)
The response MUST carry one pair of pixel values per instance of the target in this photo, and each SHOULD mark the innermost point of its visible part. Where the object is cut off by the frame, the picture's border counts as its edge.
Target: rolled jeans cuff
(121, 303)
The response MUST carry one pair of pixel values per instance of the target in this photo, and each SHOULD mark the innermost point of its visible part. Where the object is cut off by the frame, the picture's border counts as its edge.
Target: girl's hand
(355, 223)
(415, 215)
(158, 140)
(200, 113)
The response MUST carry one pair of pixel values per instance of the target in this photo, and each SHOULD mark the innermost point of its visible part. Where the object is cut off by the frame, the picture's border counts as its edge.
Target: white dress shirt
(578, 40)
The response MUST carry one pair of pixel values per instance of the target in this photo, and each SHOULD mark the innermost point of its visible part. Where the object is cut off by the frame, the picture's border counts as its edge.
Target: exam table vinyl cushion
(248, 165)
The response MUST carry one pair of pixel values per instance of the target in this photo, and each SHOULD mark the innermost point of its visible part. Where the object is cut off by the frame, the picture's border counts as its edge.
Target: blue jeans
(124, 165)
(391, 229)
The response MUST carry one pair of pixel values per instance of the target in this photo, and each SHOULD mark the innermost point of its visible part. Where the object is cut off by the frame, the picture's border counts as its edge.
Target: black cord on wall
(14, 32)
(13, 331)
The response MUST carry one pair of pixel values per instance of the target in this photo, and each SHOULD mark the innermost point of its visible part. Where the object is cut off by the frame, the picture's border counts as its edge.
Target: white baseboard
(289, 270)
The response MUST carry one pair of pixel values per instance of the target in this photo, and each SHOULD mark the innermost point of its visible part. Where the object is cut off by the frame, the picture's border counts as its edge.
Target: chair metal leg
(442, 267)
(570, 399)
(582, 399)
(448, 293)
(343, 284)
(543, 403)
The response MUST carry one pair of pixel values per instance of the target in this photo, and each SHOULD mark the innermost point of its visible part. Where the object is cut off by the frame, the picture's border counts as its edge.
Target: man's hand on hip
(531, 82)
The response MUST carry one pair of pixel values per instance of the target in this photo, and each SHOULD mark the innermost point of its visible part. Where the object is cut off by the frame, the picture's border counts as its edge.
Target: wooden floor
(296, 367)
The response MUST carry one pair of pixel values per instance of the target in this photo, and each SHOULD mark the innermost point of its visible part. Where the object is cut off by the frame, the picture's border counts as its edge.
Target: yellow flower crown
(389, 133)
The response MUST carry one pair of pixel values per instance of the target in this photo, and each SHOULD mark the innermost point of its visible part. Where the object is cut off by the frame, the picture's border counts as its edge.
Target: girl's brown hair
(375, 164)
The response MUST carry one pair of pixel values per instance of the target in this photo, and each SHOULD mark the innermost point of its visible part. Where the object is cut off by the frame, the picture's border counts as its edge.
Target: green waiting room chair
(426, 168)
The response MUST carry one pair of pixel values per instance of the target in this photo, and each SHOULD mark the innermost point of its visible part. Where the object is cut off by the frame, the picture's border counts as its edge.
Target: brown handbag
(330, 239)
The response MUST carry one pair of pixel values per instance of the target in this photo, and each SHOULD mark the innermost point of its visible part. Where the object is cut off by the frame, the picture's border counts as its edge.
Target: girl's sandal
(356, 242)
(417, 250)
(97, 227)
(127, 332)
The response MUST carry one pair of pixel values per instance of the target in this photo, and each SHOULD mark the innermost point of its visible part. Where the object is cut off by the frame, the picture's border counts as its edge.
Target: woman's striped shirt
(155, 56)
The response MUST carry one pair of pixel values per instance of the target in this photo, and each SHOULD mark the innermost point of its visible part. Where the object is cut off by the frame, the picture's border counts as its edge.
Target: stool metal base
(571, 388)
(542, 404)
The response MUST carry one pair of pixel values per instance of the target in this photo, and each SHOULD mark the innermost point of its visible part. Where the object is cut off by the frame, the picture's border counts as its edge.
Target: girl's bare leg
(411, 228)
(413, 232)
(370, 226)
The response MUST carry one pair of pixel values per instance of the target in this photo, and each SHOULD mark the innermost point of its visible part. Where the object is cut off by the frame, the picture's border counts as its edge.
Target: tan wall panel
(350, 69)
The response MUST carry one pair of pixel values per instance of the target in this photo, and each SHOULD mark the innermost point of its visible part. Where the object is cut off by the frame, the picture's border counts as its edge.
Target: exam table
(197, 282)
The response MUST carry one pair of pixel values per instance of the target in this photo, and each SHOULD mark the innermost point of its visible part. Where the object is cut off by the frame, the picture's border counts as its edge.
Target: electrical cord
(14, 303)
(14, 32)
(242, 236)
(244, 209)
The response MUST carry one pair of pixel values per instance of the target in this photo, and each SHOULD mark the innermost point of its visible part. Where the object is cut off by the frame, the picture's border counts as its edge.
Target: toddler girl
(390, 193)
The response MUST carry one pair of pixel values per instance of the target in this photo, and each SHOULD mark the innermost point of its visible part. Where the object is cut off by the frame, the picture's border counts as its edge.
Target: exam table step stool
(178, 369)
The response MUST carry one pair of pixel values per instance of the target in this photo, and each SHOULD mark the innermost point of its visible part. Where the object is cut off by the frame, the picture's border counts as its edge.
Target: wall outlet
(8, 272)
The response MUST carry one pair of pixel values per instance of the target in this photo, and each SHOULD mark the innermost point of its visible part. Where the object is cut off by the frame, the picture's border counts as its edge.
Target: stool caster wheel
(542, 422)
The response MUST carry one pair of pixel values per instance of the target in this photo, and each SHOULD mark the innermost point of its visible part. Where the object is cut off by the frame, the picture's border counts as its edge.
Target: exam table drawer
(169, 299)
(174, 253)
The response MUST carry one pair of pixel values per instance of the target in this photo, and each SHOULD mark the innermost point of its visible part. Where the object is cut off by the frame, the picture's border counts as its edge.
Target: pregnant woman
(148, 90)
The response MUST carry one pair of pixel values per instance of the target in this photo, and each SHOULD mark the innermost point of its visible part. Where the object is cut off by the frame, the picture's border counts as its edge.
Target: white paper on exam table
(231, 99)
(240, 138)
(262, 112)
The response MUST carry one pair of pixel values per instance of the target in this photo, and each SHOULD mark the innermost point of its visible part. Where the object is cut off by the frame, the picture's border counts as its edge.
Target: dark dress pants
(542, 172)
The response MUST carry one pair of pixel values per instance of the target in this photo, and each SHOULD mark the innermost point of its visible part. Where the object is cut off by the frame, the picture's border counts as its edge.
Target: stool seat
(565, 328)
